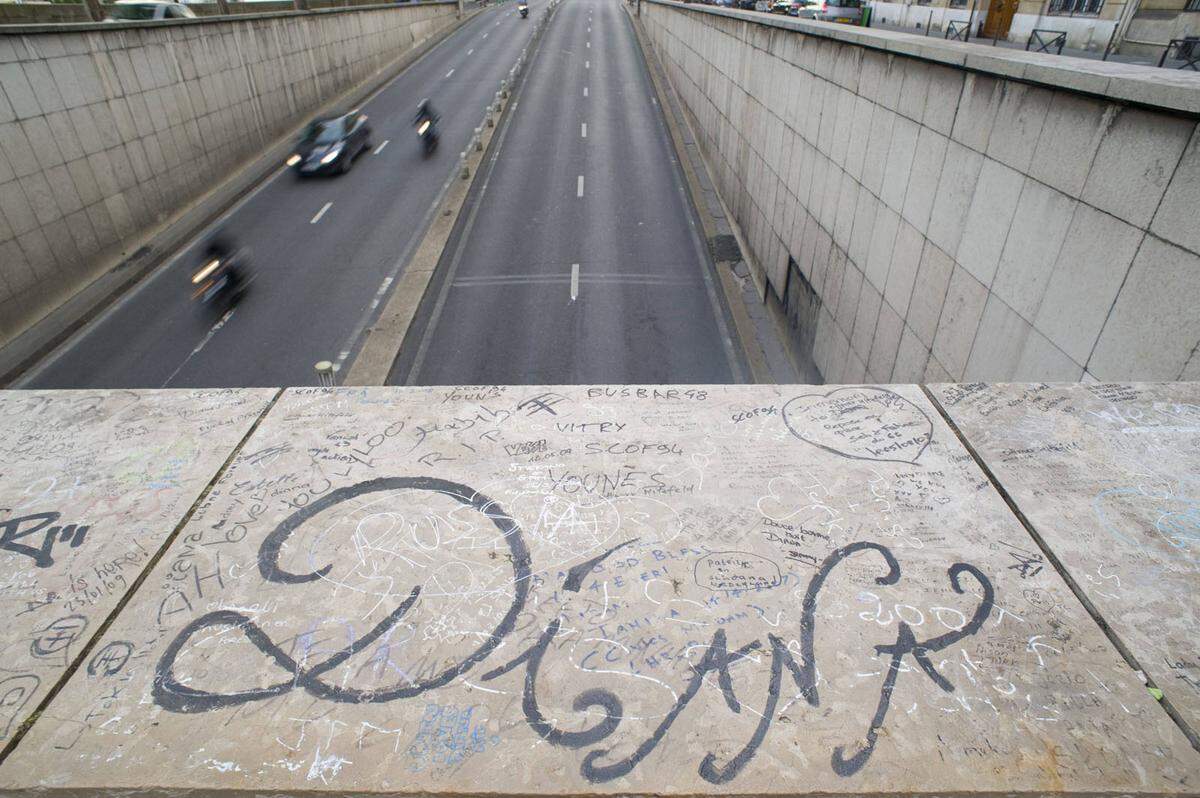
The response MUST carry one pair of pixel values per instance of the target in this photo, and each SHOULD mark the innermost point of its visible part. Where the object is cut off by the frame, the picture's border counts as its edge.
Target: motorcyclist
(222, 249)
(427, 113)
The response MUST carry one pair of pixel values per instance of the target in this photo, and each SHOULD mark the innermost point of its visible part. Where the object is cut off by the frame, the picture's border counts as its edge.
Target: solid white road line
(451, 72)
(574, 281)
(578, 189)
(320, 213)
(379, 149)
(583, 130)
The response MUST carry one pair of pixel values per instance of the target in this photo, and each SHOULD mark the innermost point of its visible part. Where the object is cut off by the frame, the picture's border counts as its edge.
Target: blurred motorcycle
(222, 279)
(426, 126)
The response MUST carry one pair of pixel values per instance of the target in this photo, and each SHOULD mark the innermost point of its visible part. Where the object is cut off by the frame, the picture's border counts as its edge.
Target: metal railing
(958, 29)
(1186, 50)
(1046, 41)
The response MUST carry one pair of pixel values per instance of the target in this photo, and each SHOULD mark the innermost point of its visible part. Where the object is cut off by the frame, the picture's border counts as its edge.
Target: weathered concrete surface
(91, 486)
(1109, 477)
(605, 590)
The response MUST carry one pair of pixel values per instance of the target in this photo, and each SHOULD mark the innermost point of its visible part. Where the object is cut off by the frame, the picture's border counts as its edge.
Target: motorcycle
(221, 282)
(427, 132)
(524, 9)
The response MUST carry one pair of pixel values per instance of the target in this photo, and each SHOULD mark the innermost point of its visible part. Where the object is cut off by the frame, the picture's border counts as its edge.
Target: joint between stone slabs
(1056, 563)
(108, 621)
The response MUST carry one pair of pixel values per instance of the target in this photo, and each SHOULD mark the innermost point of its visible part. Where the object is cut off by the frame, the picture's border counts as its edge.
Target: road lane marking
(587, 64)
(470, 51)
(213, 331)
(485, 35)
(451, 72)
(589, 44)
(320, 213)
(579, 187)
(585, 91)
(583, 131)
(379, 149)
(574, 281)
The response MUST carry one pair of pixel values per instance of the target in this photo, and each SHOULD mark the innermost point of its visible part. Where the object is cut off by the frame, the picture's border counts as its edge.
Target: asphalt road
(578, 258)
(324, 250)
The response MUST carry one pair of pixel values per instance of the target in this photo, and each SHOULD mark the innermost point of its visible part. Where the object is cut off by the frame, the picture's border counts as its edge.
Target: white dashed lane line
(470, 51)
(451, 72)
(583, 130)
(585, 91)
(379, 149)
(578, 190)
(328, 205)
(574, 281)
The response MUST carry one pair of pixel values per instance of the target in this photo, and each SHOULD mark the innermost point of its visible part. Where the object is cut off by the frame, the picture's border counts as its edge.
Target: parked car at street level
(147, 10)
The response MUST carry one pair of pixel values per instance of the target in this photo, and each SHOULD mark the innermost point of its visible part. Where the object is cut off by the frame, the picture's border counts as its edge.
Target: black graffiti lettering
(54, 641)
(532, 659)
(170, 694)
(907, 643)
(174, 694)
(716, 658)
(15, 692)
(542, 403)
(110, 659)
(11, 531)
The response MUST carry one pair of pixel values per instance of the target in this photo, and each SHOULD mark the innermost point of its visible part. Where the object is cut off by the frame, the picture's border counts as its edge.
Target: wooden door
(999, 18)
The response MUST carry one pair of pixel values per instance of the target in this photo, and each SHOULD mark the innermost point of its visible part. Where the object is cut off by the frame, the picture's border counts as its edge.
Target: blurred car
(330, 145)
(847, 11)
(797, 8)
(143, 10)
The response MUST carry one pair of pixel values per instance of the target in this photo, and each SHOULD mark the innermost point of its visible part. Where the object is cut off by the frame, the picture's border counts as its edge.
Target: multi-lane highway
(323, 250)
(579, 258)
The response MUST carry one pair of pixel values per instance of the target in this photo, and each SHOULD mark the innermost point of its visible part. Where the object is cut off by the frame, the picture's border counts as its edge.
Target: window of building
(1074, 7)
(1192, 5)
(958, 3)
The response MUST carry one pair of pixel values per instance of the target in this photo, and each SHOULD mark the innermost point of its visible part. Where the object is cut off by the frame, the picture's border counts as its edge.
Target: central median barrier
(924, 210)
(585, 590)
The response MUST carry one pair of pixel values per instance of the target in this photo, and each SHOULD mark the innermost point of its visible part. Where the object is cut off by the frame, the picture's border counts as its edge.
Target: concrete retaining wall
(107, 130)
(951, 213)
(50, 13)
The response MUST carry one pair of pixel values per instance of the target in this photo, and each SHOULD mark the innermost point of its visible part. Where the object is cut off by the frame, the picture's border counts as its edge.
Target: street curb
(387, 336)
(747, 337)
(158, 247)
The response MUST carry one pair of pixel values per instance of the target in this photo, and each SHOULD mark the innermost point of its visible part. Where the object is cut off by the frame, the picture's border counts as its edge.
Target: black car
(329, 146)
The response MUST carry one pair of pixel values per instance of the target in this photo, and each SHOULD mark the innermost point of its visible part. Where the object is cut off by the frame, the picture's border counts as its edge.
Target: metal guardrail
(1044, 40)
(1186, 50)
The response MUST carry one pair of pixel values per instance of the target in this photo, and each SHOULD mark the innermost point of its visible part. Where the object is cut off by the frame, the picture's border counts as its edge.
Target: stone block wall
(952, 221)
(107, 130)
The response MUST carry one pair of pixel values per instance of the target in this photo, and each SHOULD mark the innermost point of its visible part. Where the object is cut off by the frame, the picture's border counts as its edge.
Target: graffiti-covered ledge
(777, 590)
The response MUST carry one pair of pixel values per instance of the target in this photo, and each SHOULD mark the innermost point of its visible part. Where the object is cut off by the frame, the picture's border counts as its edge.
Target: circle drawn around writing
(860, 423)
